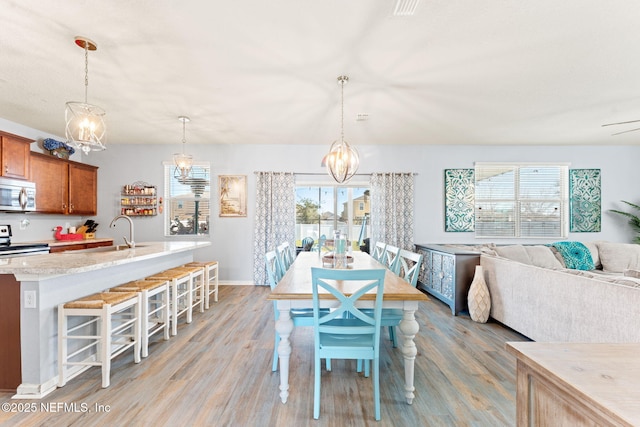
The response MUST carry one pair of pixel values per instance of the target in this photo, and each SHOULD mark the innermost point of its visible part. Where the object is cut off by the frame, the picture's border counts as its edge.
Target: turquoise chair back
(407, 266)
(273, 268)
(307, 243)
(284, 256)
(288, 250)
(390, 256)
(321, 242)
(347, 332)
(378, 251)
(299, 316)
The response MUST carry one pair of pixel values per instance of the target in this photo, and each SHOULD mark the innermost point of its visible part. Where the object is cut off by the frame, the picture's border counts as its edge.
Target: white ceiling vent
(405, 7)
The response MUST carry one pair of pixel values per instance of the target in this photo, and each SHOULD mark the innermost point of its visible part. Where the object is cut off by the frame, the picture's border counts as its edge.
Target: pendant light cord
(184, 139)
(342, 111)
(86, 70)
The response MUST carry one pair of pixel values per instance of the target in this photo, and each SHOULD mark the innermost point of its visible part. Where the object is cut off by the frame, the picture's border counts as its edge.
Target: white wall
(232, 238)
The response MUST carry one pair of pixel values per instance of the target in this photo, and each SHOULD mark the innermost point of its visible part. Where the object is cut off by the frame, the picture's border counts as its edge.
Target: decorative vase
(479, 299)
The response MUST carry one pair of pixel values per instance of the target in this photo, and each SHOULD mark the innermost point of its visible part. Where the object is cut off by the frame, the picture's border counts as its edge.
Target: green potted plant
(634, 220)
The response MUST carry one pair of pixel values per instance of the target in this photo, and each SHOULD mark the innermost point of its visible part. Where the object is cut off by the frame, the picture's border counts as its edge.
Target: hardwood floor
(217, 372)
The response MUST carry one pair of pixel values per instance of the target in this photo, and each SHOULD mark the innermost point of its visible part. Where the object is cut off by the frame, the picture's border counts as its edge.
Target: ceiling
(542, 72)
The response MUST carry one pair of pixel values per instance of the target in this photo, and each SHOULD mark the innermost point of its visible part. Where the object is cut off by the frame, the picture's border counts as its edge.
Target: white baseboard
(235, 283)
(35, 391)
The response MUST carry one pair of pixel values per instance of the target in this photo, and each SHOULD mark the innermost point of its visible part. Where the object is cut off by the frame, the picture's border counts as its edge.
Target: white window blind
(521, 200)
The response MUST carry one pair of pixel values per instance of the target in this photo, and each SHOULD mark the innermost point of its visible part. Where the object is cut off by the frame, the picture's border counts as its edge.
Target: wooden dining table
(295, 291)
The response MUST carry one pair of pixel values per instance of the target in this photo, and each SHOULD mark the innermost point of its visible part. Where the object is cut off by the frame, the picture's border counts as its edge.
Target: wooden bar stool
(154, 308)
(197, 285)
(180, 295)
(112, 328)
(210, 280)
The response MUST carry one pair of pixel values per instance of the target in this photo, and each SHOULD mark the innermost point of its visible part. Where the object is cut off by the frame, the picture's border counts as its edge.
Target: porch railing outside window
(186, 204)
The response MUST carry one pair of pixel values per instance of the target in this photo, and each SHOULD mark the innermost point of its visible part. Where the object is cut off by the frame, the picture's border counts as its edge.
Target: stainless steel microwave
(17, 195)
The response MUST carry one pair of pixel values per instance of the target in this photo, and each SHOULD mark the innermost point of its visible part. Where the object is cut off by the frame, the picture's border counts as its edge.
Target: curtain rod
(358, 174)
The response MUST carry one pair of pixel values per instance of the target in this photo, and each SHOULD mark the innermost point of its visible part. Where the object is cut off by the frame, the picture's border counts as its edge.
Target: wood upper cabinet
(51, 176)
(15, 159)
(64, 186)
(83, 189)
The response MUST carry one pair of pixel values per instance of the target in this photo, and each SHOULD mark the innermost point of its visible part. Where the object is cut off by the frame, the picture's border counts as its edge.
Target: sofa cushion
(575, 254)
(617, 257)
(514, 252)
(593, 248)
(632, 273)
(542, 256)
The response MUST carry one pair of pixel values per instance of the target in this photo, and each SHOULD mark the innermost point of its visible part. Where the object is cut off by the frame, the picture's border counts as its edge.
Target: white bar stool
(112, 328)
(180, 295)
(154, 312)
(197, 285)
(210, 280)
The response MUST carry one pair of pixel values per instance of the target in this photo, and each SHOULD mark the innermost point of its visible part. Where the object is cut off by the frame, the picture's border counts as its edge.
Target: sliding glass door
(320, 210)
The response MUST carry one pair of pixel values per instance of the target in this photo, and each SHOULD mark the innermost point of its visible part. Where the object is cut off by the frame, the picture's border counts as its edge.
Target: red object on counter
(68, 236)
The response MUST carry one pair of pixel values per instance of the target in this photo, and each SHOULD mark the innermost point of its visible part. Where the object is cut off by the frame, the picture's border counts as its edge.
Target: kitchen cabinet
(15, 159)
(64, 186)
(10, 353)
(78, 245)
(446, 273)
(83, 189)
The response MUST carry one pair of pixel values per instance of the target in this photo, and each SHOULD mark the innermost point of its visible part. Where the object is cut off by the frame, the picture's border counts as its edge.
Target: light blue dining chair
(407, 266)
(284, 256)
(307, 243)
(299, 316)
(390, 256)
(378, 251)
(347, 332)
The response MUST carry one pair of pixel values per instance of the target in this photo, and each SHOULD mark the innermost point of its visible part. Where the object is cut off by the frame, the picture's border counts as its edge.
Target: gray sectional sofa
(534, 293)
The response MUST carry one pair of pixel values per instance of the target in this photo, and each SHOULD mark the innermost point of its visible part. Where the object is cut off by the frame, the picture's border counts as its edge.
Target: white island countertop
(60, 277)
(87, 260)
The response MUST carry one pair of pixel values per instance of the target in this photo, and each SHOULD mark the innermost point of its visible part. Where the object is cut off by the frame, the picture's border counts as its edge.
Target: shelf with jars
(139, 199)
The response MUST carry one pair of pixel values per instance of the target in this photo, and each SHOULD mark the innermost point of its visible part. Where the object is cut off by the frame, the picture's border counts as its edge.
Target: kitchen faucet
(129, 242)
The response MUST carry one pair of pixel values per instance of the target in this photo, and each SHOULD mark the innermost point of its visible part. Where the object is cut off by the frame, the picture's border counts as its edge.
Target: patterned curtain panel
(275, 217)
(392, 209)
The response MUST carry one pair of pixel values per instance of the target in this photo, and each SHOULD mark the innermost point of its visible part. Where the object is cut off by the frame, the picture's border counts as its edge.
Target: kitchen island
(44, 281)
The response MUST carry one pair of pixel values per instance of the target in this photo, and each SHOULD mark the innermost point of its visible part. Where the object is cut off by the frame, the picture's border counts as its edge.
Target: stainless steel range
(9, 250)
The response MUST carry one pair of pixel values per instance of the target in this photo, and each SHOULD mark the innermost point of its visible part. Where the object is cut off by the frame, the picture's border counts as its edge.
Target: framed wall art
(233, 195)
(459, 187)
(585, 200)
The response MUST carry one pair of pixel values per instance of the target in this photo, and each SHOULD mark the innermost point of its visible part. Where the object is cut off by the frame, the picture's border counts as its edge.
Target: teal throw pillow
(575, 254)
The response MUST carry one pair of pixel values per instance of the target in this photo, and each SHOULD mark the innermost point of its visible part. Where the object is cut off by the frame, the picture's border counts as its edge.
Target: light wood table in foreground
(577, 384)
(294, 291)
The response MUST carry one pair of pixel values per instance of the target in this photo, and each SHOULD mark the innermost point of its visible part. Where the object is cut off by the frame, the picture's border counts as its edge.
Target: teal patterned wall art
(585, 201)
(459, 190)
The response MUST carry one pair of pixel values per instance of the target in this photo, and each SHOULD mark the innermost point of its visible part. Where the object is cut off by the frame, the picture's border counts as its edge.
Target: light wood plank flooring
(217, 372)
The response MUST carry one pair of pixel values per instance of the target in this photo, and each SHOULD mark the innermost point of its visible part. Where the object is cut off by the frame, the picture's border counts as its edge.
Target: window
(187, 207)
(521, 200)
(322, 209)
